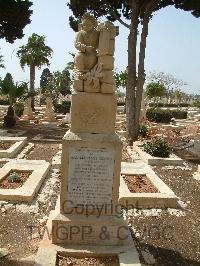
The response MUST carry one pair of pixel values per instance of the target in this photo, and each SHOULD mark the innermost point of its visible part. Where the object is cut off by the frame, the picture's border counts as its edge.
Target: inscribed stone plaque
(90, 177)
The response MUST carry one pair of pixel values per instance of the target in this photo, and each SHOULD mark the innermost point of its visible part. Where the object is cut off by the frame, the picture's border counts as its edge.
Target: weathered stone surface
(95, 44)
(107, 61)
(79, 229)
(90, 178)
(78, 85)
(49, 114)
(107, 88)
(90, 171)
(108, 77)
(27, 113)
(93, 113)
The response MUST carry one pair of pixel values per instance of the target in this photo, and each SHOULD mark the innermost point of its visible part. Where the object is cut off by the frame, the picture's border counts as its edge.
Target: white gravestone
(90, 179)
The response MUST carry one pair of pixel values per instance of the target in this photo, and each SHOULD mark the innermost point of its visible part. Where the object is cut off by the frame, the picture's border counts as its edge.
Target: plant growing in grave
(143, 130)
(158, 148)
(14, 177)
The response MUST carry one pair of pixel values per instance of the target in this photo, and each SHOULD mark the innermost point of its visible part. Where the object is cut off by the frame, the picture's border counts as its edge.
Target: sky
(172, 44)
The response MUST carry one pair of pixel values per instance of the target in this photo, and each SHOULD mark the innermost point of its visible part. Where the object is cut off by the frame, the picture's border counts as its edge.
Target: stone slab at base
(93, 112)
(91, 230)
(11, 152)
(27, 191)
(48, 252)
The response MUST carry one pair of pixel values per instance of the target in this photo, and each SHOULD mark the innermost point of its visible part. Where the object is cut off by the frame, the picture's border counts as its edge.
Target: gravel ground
(163, 237)
(43, 151)
(171, 237)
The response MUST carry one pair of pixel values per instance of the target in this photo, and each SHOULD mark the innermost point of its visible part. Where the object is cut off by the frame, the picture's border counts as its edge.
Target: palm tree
(13, 91)
(34, 54)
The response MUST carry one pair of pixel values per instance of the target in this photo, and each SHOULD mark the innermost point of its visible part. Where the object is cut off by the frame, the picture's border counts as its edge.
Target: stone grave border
(150, 160)
(47, 252)
(11, 152)
(28, 190)
(165, 198)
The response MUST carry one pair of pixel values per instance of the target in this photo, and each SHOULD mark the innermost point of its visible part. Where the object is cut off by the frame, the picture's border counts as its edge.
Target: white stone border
(150, 160)
(11, 152)
(27, 191)
(47, 253)
(165, 198)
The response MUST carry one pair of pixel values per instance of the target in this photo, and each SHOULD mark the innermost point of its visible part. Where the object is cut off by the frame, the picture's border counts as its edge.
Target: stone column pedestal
(90, 182)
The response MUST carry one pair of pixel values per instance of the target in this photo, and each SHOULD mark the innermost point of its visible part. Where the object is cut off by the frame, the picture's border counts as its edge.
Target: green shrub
(165, 116)
(157, 148)
(14, 177)
(179, 114)
(143, 130)
(19, 108)
(170, 105)
(159, 115)
(63, 108)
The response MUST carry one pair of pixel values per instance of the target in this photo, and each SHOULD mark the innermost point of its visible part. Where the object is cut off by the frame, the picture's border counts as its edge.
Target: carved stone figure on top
(94, 61)
(86, 43)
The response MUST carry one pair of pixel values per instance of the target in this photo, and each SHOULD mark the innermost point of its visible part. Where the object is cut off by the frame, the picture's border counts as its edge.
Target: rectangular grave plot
(4, 145)
(11, 146)
(82, 259)
(139, 183)
(11, 181)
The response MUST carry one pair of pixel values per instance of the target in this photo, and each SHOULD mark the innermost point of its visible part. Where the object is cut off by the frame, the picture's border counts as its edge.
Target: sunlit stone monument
(49, 114)
(27, 113)
(91, 150)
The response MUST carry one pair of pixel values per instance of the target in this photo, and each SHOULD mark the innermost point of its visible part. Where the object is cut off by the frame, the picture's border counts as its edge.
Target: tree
(178, 95)
(34, 54)
(168, 80)
(58, 83)
(44, 79)
(61, 82)
(14, 16)
(13, 91)
(155, 90)
(120, 79)
(137, 12)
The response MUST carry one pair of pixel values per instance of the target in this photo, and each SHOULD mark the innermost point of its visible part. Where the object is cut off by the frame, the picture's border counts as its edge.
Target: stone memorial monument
(49, 114)
(91, 150)
(27, 113)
